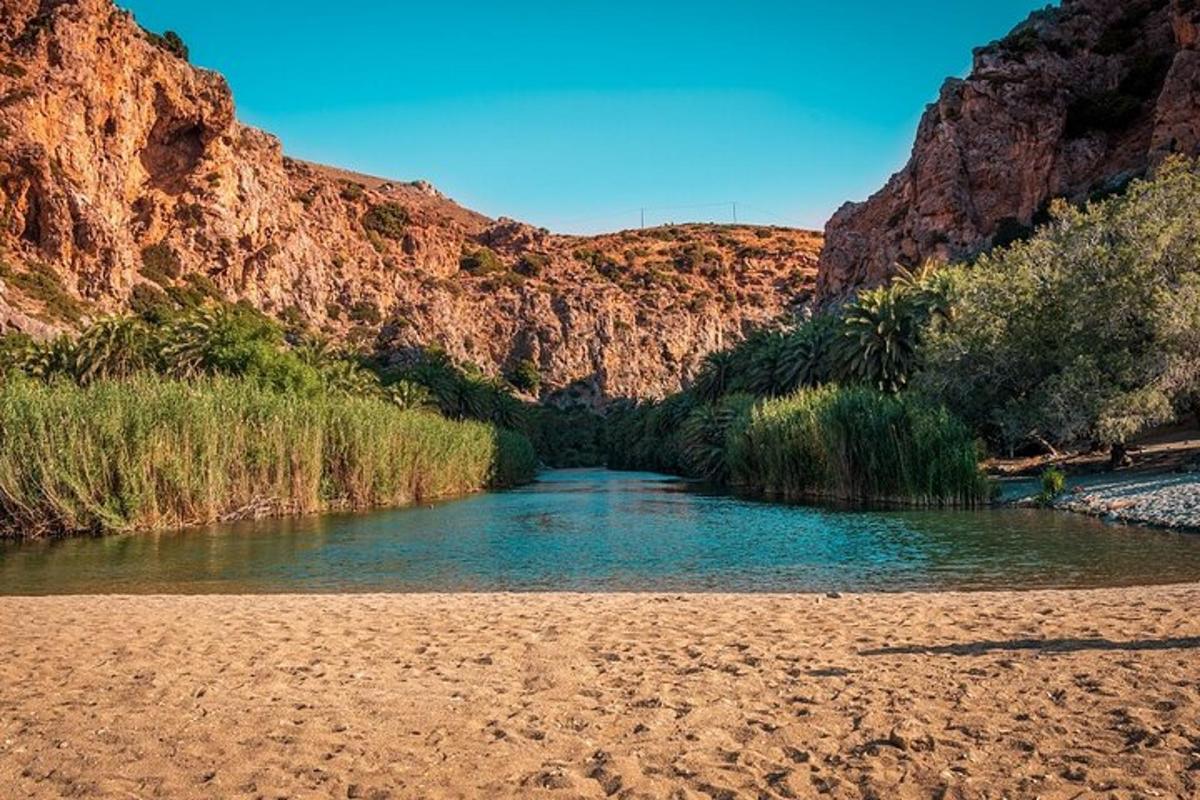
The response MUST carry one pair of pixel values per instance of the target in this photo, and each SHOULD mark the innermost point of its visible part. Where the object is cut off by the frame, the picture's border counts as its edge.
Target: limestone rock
(1075, 102)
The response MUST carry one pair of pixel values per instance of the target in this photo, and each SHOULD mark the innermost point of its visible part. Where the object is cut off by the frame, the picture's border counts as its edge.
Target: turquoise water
(591, 530)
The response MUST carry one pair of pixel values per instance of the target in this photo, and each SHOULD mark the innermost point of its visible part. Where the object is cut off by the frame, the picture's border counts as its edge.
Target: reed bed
(856, 445)
(154, 453)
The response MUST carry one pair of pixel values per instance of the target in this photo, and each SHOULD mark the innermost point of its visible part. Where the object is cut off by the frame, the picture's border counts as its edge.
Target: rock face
(1076, 101)
(125, 177)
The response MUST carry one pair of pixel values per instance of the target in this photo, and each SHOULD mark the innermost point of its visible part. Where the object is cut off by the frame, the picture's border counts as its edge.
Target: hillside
(126, 181)
(1074, 103)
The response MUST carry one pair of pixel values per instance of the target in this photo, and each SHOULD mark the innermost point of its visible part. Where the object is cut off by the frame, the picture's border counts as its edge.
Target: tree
(1089, 332)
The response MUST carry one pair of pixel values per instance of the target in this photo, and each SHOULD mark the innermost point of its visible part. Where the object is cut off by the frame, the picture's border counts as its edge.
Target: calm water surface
(591, 530)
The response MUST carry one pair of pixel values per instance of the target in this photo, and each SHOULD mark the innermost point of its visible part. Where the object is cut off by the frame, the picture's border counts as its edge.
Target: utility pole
(735, 212)
(643, 217)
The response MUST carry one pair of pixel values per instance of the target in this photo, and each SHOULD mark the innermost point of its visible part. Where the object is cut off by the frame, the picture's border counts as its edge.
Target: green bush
(366, 312)
(41, 283)
(525, 376)
(161, 264)
(1054, 483)
(352, 192)
(170, 41)
(532, 265)
(481, 261)
(389, 220)
(1089, 332)
(566, 438)
(153, 453)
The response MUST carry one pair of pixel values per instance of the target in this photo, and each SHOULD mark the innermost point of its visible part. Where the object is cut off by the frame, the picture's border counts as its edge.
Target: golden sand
(1042, 694)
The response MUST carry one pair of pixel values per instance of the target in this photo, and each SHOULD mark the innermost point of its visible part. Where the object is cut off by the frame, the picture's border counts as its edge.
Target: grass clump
(1054, 483)
(152, 453)
(857, 445)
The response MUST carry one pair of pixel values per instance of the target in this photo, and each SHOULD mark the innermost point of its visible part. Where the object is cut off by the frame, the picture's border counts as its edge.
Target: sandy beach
(1043, 694)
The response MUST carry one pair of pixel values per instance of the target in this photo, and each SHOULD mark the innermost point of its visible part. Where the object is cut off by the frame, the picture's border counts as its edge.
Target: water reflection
(592, 530)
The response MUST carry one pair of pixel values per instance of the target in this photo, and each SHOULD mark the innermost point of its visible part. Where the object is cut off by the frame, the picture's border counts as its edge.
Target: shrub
(170, 41)
(481, 261)
(389, 220)
(161, 264)
(1054, 483)
(1088, 332)
(367, 312)
(525, 376)
(532, 265)
(41, 283)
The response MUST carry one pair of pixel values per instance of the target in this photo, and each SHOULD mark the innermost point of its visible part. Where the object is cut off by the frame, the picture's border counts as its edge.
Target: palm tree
(186, 342)
(705, 435)
(113, 348)
(807, 355)
(43, 360)
(715, 377)
(343, 376)
(410, 395)
(763, 367)
(881, 330)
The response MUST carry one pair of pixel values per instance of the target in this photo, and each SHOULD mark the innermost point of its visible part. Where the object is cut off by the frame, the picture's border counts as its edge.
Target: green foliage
(389, 220)
(113, 348)
(718, 375)
(1089, 331)
(481, 261)
(809, 355)
(410, 395)
(525, 376)
(1054, 483)
(566, 438)
(41, 283)
(461, 392)
(161, 264)
(170, 41)
(352, 192)
(532, 265)
(705, 434)
(153, 453)
(366, 312)
(646, 436)
(856, 445)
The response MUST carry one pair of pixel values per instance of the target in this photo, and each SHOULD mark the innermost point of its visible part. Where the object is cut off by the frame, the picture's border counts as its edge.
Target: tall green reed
(152, 453)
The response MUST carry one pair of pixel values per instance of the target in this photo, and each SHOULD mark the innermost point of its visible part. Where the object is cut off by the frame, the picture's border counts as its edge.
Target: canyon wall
(126, 180)
(1074, 103)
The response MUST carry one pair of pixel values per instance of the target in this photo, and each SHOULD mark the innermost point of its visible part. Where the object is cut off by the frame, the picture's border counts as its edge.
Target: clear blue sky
(574, 113)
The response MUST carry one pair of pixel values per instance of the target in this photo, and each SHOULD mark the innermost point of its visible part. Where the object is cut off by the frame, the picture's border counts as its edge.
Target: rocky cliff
(1075, 102)
(126, 181)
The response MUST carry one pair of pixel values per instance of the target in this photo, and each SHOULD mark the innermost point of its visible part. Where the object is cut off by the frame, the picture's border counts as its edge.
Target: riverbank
(1052, 694)
(153, 453)
(1169, 500)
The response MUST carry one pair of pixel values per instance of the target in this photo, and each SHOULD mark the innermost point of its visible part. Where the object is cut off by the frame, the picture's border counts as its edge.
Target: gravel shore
(1157, 499)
